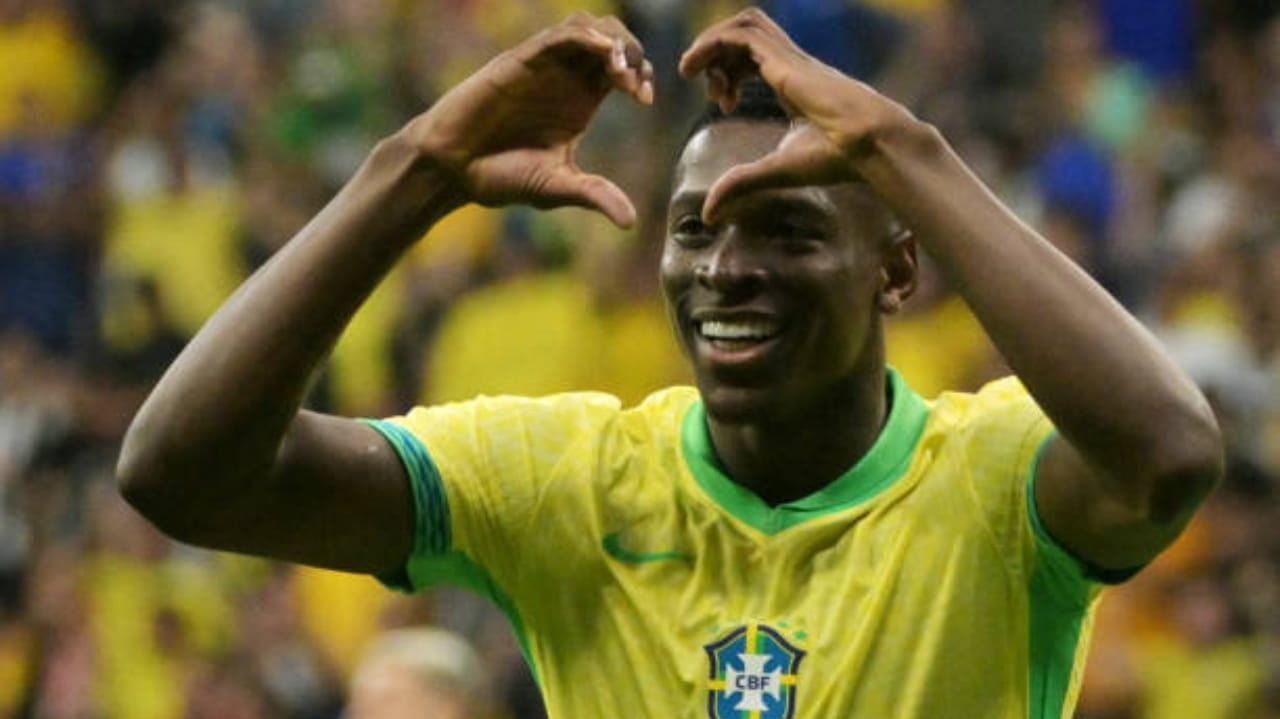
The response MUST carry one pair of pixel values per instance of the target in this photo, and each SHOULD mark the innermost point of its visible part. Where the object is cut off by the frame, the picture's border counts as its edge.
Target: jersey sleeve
(1004, 434)
(481, 476)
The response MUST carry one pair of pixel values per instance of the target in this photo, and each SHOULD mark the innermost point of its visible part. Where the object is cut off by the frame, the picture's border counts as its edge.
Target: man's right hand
(508, 133)
(220, 454)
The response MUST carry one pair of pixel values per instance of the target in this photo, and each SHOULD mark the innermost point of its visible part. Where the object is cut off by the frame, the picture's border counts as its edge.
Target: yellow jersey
(643, 582)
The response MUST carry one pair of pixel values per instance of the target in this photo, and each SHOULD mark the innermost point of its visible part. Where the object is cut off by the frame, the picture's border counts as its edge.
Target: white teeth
(740, 330)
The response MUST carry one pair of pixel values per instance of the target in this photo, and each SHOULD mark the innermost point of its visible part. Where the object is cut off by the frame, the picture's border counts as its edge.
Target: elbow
(179, 489)
(135, 467)
(155, 485)
(162, 500)
(140, 476)
(1191, 465)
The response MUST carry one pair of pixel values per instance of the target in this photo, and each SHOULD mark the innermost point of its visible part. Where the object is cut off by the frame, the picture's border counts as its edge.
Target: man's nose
(731, 264)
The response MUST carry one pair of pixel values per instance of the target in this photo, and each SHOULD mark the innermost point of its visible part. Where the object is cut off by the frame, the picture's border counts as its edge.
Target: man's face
(776, 306)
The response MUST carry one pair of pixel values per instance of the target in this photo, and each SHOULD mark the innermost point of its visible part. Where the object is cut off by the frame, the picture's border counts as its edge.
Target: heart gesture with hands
(836, 120)
(509, 132)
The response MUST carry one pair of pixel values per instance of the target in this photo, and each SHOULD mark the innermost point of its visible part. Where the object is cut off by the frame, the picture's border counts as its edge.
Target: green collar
(887, 460)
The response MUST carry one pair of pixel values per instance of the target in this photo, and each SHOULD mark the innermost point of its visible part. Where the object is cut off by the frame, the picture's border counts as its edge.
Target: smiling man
(800, 534)
(779, 306)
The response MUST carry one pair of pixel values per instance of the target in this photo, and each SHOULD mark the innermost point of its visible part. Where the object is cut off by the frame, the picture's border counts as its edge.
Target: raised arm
(220, 454)
(1138, 446)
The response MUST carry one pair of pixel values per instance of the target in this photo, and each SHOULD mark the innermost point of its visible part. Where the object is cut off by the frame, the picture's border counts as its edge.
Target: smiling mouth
(734, 335)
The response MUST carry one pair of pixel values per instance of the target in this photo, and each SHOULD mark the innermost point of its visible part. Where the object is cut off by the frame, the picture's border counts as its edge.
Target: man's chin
(740, 405)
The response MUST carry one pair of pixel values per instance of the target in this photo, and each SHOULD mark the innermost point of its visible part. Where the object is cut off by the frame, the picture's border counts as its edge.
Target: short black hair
(757, 102)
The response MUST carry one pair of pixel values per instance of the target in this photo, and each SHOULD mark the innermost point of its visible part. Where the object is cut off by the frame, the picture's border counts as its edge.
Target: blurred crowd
(153, 153)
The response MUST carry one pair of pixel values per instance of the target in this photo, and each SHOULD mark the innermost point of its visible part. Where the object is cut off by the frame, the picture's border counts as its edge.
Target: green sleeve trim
(434, 561)
(1048, 548)
(432, 533)
(1059, 597)
(457, 569)
(1047, 543)
(1056, 631)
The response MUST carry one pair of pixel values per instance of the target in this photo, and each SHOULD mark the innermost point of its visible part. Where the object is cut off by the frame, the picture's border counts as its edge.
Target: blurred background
(154, 152)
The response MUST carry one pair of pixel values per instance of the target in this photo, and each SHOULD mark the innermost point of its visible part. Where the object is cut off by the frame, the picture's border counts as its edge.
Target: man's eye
(689, 231)
(690, 225)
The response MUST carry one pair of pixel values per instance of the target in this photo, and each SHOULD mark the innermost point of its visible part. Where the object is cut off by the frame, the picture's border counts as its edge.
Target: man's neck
(787, 460)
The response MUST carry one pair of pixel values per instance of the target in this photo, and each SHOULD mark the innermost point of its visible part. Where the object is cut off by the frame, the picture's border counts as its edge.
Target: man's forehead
(720, 146)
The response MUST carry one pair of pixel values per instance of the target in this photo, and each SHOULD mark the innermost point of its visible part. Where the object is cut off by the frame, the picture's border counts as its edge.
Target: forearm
(1100, 376)
(226, 403)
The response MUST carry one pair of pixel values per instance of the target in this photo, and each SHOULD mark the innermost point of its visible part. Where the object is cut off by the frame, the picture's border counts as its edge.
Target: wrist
(428, 177)
(906, 160)
(900, 138)
(435, 144)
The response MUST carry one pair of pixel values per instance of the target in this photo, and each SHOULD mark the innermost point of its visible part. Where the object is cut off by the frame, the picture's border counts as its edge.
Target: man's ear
(898, 272)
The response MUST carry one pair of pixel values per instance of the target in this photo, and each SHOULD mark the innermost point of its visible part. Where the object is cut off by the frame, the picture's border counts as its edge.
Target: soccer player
(799, 535)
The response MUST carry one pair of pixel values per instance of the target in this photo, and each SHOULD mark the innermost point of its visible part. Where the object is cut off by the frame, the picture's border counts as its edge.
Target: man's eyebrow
(688, 198)
(768, 200)
(789, 206)
(790, 203)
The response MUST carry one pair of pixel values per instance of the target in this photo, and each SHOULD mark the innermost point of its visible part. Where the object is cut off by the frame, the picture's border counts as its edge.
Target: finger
(696, 58)
(624, 63)
(712, 42)
(769, 172)
(575, 46)
(718, 88)
(724, 51)
(597, 42)
(743, 45)
(724, 80)
(606, 38)
(645, 95)
(573, 188)
(630, 55)
(632, 49)
(727, 61)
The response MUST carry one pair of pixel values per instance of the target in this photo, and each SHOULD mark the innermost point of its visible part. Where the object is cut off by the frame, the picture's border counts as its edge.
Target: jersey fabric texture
(643, 582)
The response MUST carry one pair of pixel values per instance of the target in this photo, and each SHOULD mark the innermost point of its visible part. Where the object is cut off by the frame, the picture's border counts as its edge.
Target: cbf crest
(754, 672)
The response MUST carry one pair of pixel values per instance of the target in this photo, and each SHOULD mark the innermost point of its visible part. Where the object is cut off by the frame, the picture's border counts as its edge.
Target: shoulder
(665, 404)
(658, 418)
(576, 413)
(984, 448)
(568, 406)
(989, 440)
(1000, 406)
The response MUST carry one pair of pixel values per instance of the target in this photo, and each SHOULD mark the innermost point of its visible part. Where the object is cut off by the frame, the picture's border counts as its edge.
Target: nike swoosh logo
(612, 544)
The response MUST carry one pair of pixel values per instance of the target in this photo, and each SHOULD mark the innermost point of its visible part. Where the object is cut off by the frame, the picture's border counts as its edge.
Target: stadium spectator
(420, 673)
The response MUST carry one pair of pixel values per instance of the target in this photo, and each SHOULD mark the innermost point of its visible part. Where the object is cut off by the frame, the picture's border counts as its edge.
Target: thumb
(572, 187)
(771, 171)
